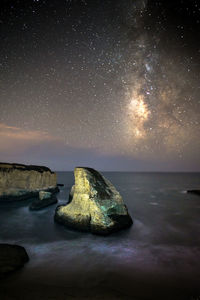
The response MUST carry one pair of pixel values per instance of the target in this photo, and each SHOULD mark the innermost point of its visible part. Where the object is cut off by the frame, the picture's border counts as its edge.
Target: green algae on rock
(94, 205)
(19, 182)
(44, 195)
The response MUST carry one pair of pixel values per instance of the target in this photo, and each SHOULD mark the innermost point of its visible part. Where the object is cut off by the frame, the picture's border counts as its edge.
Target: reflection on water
(160, 251)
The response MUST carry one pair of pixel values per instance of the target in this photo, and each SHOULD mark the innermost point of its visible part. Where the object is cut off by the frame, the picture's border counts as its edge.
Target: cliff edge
(19, 182)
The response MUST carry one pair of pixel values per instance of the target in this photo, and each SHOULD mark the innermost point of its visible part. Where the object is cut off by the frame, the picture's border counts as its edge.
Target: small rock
(44, 195)
(45, 199)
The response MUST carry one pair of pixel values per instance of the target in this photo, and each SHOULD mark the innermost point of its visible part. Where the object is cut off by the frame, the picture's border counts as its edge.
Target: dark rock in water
(45, 199)
(196, 192)
(38, 204)
(20, 182)
(60, 184)
(94, 205)
(12, 257)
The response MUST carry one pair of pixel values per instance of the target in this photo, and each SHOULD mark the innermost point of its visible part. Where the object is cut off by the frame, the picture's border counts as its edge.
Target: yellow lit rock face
(95, 205)
(44, 195)
(21, 181)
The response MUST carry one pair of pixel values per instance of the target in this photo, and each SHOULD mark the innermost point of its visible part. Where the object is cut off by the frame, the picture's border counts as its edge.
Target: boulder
(12, 257)
(19, 182)
(44, 195)
(45, 199)
(95, 205)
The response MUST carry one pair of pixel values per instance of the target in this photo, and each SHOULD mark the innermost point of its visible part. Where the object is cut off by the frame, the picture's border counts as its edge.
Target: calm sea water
(157, 258)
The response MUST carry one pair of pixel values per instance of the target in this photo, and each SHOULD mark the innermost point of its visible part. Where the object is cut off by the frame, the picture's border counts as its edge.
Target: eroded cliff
(19, 181)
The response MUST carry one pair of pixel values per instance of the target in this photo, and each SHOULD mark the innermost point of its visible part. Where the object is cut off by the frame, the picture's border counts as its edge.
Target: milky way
(117, 80)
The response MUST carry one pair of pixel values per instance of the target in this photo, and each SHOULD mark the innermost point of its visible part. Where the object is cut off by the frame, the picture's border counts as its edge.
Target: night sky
(113, 85)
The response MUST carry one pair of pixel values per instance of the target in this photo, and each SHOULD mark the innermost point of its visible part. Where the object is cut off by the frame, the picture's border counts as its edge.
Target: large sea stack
(19, 182)
(95, 205)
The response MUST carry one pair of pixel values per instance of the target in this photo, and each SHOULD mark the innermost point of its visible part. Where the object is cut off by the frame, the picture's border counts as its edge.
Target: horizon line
(123, 171)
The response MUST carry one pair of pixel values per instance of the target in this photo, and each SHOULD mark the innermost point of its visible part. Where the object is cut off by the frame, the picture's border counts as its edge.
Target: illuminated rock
(95, 205)
(44, 195)
(45, 199)
(18, 182)
(12, 257)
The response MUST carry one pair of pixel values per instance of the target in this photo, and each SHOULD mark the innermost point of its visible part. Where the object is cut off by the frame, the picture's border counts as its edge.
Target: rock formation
(44, 195)
(94, 205)
(196, 192)
(45, 199)
(12, 257)
(18, 182)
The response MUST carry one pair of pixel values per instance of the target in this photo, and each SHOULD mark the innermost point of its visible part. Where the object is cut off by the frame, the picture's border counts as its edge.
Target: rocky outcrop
(94, 205)
(19, 182)
(45, 199)
(44, 195)
(196, 192)
(12, 257)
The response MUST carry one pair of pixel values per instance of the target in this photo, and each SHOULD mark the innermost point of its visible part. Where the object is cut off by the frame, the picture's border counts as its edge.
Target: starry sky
(111, 84)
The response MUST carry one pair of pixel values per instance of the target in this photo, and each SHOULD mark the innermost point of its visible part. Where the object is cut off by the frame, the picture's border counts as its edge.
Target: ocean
(157, 258)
